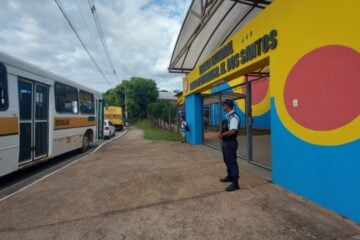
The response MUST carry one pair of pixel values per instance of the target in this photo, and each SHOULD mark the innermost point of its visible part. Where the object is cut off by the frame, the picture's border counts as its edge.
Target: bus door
(100, 118)
(34, 120)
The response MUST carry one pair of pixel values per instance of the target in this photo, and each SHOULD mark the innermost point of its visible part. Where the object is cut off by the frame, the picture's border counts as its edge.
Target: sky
(140, 35)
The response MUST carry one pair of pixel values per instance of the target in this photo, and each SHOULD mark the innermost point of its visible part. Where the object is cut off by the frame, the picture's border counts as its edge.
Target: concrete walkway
(261, 147)
(138, 189)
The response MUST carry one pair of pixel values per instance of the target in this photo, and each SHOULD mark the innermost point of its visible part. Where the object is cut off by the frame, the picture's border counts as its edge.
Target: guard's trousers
(229, 148)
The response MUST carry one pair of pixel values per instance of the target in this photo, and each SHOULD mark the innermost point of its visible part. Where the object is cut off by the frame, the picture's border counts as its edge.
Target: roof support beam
(212, 34)
(253, 4)
(180, 70)
(214, 5)
(259, 74)
(196, 14)
(238, 23)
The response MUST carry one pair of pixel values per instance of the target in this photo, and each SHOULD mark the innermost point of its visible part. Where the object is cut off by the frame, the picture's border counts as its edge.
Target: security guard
(228, 135)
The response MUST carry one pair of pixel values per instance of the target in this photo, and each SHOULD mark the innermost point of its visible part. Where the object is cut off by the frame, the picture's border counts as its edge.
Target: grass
(152, 132)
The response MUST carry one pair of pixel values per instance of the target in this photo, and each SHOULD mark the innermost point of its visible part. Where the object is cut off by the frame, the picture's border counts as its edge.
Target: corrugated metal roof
(167, 96)
(207, 25)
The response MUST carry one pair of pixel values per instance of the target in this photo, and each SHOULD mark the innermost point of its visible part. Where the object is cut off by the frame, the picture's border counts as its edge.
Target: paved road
(138, 189)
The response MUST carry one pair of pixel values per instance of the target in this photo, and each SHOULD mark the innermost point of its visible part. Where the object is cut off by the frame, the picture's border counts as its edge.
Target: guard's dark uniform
(230, 145)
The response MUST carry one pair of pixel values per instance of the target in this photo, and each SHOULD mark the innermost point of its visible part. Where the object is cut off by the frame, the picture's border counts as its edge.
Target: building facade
(311, 100)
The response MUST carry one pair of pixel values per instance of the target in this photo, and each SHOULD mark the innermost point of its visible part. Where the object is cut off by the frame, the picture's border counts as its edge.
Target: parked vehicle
(109, 129)
(114, 114)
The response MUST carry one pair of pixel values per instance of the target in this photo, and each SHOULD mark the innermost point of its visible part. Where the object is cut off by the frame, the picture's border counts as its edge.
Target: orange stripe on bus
(73, 122)
(8, 125)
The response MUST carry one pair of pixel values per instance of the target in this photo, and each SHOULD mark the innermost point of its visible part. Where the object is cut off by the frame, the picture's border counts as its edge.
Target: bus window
(86, 102)
(66, 99)
(3, 88)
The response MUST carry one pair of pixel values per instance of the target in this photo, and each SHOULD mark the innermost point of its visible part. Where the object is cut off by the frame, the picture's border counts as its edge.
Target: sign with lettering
(225, 59)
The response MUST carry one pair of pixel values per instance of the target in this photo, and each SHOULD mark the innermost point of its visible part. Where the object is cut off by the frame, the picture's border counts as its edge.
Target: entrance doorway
(251, 95)
(34, 120)
(213, 115)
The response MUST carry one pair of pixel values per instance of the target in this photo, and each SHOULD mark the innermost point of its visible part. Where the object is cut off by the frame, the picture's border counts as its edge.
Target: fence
(172, 127)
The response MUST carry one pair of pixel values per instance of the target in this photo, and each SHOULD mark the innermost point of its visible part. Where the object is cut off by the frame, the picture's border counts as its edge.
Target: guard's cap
(229, 103)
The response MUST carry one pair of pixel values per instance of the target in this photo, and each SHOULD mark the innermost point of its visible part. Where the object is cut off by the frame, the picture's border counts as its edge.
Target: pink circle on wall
(322, 91)
(259, 89)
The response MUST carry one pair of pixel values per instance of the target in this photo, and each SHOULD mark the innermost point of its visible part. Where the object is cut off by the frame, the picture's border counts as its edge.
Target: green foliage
(154, 133)
(140, 92)
(162, 109)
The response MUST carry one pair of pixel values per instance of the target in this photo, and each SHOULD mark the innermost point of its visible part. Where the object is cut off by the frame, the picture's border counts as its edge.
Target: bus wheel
(86, 143)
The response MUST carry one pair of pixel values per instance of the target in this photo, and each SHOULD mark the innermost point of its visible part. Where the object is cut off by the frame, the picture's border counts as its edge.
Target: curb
(62, 168)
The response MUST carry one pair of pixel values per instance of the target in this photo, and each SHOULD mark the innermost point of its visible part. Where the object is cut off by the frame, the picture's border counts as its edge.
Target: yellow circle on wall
(320, 102)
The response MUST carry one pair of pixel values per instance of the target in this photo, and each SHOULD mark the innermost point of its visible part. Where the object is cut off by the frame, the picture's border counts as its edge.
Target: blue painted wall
(221, 87)
(214, 114)
(194, 118)
(327, 175)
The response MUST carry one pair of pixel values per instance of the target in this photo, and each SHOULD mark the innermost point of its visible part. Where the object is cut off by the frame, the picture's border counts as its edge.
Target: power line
(90, 33)
(82, 43)
(101, 35)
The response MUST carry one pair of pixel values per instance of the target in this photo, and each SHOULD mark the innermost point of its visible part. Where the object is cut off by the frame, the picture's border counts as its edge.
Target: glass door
(41, 120)
(34, 120)
(26, 121)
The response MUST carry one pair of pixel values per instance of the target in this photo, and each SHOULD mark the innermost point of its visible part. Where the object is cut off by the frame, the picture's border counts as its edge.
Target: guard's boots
(226, 179)
(233, 186)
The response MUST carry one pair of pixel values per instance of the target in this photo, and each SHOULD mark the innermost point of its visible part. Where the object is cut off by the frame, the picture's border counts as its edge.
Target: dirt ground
(139, 189)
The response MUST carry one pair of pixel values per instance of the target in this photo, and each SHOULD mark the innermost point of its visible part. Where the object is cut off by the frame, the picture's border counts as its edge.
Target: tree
(162, 109)
(140, 92)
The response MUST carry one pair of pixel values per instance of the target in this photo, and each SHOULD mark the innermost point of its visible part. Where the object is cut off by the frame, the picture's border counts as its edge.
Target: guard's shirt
(233, 121)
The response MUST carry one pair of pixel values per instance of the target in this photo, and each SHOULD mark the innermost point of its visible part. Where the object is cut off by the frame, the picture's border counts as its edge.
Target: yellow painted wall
(329, 21)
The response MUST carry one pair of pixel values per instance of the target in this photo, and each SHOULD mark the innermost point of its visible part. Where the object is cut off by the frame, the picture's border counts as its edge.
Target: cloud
(140, 35)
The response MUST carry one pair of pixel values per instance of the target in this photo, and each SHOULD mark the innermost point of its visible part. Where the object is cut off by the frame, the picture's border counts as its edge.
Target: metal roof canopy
(207, 25)
(217, 97)
(224, 94)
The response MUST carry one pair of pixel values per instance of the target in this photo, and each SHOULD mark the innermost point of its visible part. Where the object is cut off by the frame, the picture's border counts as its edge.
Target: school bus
(43, 115)
(114, 114)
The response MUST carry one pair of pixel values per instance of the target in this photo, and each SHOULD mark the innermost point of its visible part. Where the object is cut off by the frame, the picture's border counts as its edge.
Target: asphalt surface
(133, 188)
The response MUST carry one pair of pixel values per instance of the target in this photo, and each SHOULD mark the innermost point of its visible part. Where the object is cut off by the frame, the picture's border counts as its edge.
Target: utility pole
(126, 113)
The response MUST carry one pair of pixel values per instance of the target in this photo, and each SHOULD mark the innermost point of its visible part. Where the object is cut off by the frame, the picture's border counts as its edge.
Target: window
(86, 103)
(3, 88)
(66, 99)
(41, 102)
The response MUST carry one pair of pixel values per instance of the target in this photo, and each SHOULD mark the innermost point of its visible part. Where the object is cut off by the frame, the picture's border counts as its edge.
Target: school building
(291, 67)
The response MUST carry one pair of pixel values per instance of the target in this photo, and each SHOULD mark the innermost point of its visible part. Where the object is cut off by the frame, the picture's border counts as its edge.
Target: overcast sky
(140, 35)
